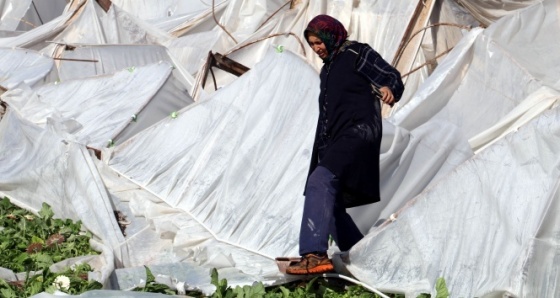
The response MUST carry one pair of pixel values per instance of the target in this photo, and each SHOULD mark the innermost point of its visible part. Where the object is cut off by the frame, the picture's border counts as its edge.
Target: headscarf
(330, 31)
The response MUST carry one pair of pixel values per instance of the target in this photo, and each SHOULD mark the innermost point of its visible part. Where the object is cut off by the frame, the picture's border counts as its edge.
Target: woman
(344, 170)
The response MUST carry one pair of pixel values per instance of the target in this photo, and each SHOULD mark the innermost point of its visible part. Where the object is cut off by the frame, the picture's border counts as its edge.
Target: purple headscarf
(330, 31)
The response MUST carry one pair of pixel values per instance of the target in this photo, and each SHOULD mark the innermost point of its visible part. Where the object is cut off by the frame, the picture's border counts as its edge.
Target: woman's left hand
(387, 95)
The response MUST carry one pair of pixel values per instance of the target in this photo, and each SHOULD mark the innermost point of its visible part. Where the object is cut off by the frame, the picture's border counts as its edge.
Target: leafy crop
(152, 286)
(31, 243)
(45, 282)
(314, 288)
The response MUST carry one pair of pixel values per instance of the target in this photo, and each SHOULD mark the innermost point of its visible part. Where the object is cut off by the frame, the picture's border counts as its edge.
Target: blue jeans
(324, 214)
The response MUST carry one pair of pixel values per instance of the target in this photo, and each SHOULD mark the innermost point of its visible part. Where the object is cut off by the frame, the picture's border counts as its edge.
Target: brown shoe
(311, 264)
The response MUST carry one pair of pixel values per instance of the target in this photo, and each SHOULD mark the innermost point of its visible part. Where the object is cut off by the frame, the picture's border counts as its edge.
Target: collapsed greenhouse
(115, 106)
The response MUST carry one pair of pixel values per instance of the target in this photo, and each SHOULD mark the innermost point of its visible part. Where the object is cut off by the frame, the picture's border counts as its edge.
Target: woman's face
(317, 45)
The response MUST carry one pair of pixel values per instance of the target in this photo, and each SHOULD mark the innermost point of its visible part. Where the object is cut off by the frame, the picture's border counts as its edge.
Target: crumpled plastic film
(223, 154)
(95, 103)
(19, 66)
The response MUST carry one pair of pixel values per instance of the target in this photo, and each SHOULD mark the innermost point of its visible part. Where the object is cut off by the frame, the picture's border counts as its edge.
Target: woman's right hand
(387, 95)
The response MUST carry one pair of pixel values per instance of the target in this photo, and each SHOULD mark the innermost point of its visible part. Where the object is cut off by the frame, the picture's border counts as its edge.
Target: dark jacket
(348, 136)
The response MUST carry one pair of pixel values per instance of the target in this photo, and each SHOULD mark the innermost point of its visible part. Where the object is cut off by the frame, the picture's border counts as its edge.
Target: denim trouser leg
(343, 229)
(322, 215)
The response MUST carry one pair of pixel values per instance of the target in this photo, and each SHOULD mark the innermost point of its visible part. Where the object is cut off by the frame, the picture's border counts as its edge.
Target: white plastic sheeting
(37, 38)
(11, 12)
(95, 26)
(162, 9)
(477, 226)
(101, 107)
(41, 12)
(222, 157)
(39, 166)
(22, 66)
(488, 12)
(220, 184)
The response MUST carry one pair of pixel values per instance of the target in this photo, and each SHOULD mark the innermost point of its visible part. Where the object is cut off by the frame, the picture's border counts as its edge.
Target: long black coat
(349, 129)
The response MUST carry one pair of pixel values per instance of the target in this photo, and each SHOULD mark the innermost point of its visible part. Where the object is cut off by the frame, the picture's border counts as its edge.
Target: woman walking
(344, 170)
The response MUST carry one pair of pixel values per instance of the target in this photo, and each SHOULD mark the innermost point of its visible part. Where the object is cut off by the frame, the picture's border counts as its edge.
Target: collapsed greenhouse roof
(213, 178)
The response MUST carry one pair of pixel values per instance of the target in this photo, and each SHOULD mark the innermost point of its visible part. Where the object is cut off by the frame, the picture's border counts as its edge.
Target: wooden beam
(224, 63)
(105, 4)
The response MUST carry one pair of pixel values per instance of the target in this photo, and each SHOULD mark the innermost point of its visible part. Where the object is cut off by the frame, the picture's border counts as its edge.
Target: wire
(354, 281)
(218, 23)
(35, 7)
(431, 61)
(274, 14)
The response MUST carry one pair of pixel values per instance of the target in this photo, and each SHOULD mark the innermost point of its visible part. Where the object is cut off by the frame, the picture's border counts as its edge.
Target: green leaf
(35, 239)
(46, 211)
(42, 260)
(34, 287)
(149, 276)
(8, 293)
(94, 285)
(309, 285)
(441, 288)
(256, 291)
(285, 292)
(50, 289)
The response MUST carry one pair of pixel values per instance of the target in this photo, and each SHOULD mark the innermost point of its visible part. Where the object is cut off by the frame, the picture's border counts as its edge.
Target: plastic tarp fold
(40, 166)
(162, 9)
(220, 183)
(22, 66)
(98, 107)
(488, 12)
(95, 26)
(219, 162)
(481, 227)
(37, 38)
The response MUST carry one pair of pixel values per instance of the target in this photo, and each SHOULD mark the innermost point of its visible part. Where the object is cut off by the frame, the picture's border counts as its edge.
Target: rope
(273, 14)
(267, 37)
(218, 23)
(431, 61)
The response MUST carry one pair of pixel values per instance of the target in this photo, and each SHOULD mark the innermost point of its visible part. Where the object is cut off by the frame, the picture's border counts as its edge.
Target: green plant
(31, 242)
(152, 286)
(72, 281)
